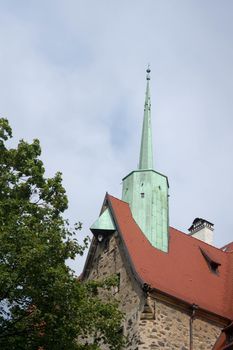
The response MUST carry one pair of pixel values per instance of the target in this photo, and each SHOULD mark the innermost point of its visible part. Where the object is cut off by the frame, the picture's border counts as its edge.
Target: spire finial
(148, 72)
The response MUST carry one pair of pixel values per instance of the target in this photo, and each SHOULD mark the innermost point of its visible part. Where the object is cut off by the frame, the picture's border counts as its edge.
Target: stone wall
(170, 329)
(205, 334)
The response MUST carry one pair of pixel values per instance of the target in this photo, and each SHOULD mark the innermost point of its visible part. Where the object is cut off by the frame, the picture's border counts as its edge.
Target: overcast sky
(72, 73)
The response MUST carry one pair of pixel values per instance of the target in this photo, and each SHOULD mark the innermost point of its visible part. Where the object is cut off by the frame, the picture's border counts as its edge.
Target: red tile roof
(228, 247)
(183, 272)
(223, 342)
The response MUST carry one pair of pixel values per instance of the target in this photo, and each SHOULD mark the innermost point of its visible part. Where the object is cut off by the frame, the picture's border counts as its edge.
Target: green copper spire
(146, 151)
(146, 190)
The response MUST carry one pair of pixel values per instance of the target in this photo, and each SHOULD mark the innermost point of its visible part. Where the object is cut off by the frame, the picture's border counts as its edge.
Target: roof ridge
(197, 239)
(120, 200)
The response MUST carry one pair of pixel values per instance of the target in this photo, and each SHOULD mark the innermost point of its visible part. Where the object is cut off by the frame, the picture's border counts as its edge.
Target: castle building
(176, 289)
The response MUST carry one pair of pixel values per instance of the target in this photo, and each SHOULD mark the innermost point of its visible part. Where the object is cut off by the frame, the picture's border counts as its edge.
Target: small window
(106, 244)
(142, 194)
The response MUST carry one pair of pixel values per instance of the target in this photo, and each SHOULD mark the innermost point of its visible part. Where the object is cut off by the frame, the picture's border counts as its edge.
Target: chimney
(203, 230)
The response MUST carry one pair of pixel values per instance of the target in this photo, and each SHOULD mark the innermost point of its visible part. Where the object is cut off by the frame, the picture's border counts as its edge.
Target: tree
(42, 303)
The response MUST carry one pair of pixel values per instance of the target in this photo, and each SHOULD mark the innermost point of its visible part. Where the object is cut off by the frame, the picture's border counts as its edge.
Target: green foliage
(42, 304)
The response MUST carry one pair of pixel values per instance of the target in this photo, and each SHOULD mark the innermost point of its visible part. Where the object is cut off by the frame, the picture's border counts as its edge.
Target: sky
(72, 74)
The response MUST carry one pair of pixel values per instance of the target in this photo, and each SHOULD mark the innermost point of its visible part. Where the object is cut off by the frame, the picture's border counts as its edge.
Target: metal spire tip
(148, 72)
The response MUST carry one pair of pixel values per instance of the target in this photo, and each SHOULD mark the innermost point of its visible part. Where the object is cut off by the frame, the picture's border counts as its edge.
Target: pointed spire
(146, 151)
(146, 190)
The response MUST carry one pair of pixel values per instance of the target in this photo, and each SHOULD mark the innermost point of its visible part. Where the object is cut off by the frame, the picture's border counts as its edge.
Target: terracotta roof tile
(228, 247)
(221, 342)
(183, 272)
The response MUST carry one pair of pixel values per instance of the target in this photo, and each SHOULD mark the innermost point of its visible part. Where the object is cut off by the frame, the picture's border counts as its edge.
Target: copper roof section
(182, 272)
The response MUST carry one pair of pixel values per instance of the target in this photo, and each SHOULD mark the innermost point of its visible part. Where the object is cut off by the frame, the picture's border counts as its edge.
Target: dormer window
(212, 263)
(214, 266)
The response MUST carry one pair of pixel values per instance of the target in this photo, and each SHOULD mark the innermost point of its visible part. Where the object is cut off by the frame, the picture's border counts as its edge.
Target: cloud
(73, 75)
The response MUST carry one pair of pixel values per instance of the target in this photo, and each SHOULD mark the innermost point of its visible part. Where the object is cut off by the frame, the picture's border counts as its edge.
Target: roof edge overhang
(146, 170)
(138, 278)
(188, 305)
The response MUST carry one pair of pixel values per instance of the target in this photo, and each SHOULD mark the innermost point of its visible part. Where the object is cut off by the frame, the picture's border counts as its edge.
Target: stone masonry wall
(205, 334)
(170, 329)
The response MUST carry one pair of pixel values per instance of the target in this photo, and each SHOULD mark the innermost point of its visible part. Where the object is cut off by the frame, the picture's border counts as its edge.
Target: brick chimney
(203, 230)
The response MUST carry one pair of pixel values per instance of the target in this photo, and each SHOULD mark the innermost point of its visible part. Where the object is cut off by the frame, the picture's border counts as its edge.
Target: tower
(145, 189)
(187, 282)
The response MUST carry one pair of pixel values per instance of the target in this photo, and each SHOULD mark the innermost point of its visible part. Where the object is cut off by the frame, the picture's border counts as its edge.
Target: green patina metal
(146, 151)
(146, 190)
(104, 222)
